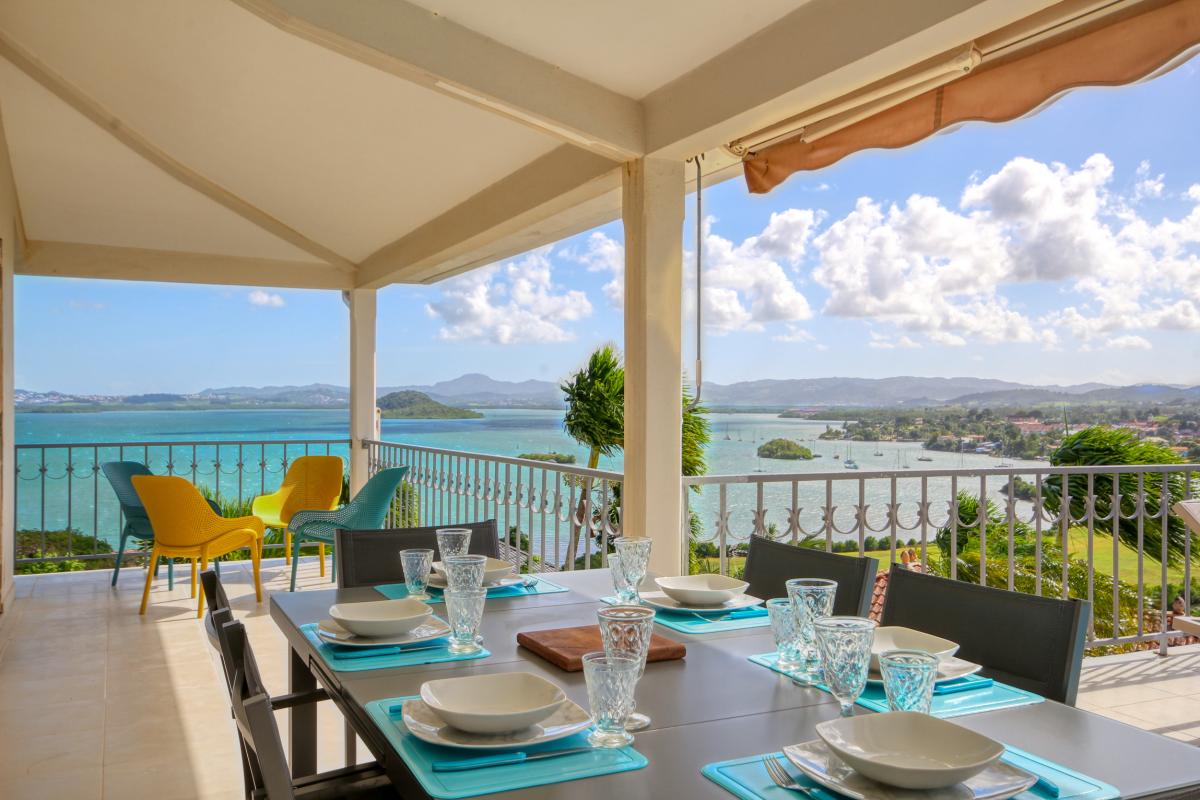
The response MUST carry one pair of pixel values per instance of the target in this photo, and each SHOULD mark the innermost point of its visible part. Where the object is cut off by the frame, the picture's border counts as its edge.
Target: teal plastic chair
(137, 523)
(366, 510)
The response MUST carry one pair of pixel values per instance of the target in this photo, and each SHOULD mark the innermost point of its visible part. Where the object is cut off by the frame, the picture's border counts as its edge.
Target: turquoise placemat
(419, 756)
(747, 778)
(395, 591)
(989, 698)
(756, 617)
(350, 659)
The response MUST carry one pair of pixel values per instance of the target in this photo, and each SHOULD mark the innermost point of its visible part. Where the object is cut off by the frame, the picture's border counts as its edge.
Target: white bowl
(909, 750)
(500, 703)
(702, 590)
(894, 637)
(381, 617)
(493, 570)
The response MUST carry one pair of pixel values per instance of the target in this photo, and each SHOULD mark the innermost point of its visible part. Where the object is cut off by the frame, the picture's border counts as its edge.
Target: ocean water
(51, 495)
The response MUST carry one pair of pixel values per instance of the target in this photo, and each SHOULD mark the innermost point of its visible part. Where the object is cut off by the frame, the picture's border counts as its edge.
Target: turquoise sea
(76, 497)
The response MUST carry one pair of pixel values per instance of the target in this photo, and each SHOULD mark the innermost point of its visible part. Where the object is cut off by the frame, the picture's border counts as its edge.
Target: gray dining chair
(372, 557)
(770, 564)
(1031, 642)
(262, 748)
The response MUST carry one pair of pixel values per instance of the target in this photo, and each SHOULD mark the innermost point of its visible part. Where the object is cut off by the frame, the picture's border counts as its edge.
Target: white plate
(999, 781)
(423, 723)
(493, 570)
(895, 637)
(376, 618)
(498, 703)
(439, 582)
(432, 628)
(908, 749)
(949, 669)
(702, 590)
(660, 600)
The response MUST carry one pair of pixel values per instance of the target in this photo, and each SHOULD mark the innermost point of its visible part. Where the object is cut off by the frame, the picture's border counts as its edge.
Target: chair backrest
(770, 564)
(119, 475)
(216, 601)
(176, 509)
(372, 557)
(370, 506)
(1031, 642)
(311, 482)
(261, 744)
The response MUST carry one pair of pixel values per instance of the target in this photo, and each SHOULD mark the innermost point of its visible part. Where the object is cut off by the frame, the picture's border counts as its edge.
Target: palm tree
(1102, 445)
(595, 418)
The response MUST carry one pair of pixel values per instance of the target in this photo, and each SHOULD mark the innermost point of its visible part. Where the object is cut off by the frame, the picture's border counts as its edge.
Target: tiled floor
(97, 702)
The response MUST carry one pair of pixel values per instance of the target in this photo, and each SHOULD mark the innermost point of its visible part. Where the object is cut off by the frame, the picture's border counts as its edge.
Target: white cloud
(1147, 185)
(794, 334)
(514, 303)
(258, 297)
(1128, 342)
(881, 342)
(605, 254)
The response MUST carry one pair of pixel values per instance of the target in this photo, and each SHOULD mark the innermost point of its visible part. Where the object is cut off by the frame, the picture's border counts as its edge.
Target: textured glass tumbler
(610, 682)
(464, 572)
(626, 631)
(845, 645)
(629, 570)
(416, 565)
(453, 541)
(812, 598)
(464, 610)
(908, 679)
(785, 626)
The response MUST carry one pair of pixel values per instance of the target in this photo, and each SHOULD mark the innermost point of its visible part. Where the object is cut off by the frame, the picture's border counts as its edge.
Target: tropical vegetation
(416, 405)
(784, 449)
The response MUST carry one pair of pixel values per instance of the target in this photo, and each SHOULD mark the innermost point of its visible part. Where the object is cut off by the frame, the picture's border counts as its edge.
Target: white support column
(652, 211)
(362, 381)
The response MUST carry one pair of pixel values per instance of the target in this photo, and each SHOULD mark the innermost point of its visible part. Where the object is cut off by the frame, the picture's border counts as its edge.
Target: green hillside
(415, 405)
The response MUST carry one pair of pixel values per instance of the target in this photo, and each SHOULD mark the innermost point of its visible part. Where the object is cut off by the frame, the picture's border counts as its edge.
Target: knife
(965, 686)
(503, 759)
(384, 650)
(741, 613)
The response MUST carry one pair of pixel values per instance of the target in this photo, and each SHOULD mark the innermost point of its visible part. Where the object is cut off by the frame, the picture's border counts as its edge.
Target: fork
(783, 779)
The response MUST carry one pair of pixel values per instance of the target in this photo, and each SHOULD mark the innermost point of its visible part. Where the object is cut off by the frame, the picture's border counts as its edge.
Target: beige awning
(1120, 50)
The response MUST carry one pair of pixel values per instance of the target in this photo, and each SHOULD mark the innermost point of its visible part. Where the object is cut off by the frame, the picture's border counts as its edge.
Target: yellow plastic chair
(186, 527)
(312, 483)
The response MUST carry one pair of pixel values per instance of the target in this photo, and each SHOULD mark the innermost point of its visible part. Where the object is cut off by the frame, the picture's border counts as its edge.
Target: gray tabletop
(713, 705)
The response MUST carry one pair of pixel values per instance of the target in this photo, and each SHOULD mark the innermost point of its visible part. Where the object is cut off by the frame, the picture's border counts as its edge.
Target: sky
(1057, 249)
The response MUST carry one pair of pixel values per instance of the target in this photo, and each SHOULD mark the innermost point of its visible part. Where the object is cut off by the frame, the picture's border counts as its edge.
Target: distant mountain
(476, 389)
(1141, 393)
(905, 390)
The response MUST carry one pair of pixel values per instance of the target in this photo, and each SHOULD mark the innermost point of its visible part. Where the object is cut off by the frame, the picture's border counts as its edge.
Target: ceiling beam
(428, 49)
(71, 260)
(73, 96)
(485, 227)
(822, 50)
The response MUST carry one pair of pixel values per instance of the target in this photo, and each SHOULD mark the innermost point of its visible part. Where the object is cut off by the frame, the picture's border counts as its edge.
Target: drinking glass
(416, 564)
(464, 572)
(626, 630)
(610, 680)
(464, 608)
(908, 679)
(453, 541)
(845, 645)
(632, 560)
(812, 598)
(785, 625)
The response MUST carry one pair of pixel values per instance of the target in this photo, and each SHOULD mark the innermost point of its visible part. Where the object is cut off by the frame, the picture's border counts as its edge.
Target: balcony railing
(1015, 540)
(64, 509)
(560, 517)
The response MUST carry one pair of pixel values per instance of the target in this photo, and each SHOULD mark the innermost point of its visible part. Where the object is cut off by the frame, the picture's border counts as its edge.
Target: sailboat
(924, 458)
(850, 463)
(877, 452)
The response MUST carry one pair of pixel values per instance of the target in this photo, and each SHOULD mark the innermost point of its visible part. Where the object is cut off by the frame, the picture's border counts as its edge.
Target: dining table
(710, 706)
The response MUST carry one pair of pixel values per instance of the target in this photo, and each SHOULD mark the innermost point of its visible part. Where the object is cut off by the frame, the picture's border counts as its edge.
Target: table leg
(302, 719)
(351, 745)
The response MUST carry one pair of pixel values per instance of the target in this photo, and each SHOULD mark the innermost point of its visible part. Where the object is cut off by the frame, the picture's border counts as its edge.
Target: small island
(784, 449)
(416, 405)
(552, 457)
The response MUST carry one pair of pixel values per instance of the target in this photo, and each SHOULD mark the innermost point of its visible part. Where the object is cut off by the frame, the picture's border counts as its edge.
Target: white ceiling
(345, 154)
(629, 46)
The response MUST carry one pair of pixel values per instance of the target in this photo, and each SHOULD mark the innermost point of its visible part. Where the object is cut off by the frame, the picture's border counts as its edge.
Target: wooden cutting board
(564, 647)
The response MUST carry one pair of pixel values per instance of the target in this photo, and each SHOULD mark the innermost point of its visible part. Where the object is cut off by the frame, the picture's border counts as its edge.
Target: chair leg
(117, 563)
(194, 577)
(287, 546)
(333, 565)
(217, 566)
(321, 558)
(295, 562)
(149, 580)
(256, 560)
(171, 573)
(203, 565)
